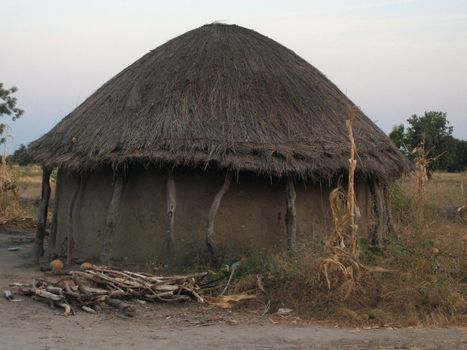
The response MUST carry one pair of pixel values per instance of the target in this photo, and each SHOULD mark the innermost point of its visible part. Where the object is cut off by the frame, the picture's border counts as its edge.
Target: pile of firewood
(91, 289)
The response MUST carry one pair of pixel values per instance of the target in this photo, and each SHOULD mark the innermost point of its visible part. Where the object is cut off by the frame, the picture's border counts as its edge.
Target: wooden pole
(380, 228)
(211, 245)
(42, 215)
(290, 215)
(70, 234)
(170, 208)
(370, 212)
(53, 232)
(112, 215)
(387, 203)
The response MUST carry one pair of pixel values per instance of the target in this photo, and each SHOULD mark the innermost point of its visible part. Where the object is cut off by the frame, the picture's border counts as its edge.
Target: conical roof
(220, 95)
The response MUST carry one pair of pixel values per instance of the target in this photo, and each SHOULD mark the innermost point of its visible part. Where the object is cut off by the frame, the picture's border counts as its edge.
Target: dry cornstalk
(343, 208)
(9, 195)
(353, 112)
(339, 261)
(422, 163)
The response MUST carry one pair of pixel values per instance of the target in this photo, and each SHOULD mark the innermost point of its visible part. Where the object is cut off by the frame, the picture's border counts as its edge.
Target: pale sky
(393, 58)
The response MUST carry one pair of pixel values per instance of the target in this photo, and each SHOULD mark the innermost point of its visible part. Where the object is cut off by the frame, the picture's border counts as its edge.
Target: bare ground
(30, 325)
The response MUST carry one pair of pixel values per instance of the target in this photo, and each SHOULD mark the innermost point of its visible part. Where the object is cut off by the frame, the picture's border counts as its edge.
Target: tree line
(432, 132)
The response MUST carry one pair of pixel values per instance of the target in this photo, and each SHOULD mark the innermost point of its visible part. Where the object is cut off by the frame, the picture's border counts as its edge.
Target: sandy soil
(30, 325)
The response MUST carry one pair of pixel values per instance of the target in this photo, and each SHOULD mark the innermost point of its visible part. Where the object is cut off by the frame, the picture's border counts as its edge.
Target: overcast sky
(393, 58)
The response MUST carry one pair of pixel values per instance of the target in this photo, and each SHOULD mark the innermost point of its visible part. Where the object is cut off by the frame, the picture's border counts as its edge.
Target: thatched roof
(220, 95)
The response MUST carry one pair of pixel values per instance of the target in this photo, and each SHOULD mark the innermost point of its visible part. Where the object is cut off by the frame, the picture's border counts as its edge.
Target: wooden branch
(48, 295)
(67, 308)
(87, 290)
(170, 207)
(112, 214)
(211, 245)
(290, 215)
(125, 308)
(53, 232)
(70, 235)
(42, 215)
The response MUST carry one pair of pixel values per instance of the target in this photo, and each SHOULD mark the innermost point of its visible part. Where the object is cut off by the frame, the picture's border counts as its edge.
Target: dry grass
(28, 180)
(427, 284)
(10, 207)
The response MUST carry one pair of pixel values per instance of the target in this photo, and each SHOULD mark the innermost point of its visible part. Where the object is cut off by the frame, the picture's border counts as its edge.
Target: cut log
(42, 215)
(125, 308)
(88, 309)
(290, 215)
(70, 292)
(48, 295)
(171, 205)
(55, 290)
(112, 215)
(101, 284)
(211, 245)
(67, 311)
(70, 235)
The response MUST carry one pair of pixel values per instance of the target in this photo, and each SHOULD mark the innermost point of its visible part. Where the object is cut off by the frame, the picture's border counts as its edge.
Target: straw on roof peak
(221, 95)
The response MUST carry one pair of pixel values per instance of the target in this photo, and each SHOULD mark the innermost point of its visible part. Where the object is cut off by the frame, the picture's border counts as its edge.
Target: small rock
(8, 295)
(13, 249)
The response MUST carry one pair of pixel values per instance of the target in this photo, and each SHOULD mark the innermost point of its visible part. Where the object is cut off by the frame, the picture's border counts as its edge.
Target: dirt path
(30, 325)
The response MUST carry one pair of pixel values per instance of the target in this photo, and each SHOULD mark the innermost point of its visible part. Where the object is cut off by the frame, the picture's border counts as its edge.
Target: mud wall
(251, 215)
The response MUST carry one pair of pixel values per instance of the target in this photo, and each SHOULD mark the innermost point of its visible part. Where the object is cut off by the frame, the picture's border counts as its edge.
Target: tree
(457, 160)
(20, 156)
(461, 155)
(8, 108)
(399, 137)
(433, 131)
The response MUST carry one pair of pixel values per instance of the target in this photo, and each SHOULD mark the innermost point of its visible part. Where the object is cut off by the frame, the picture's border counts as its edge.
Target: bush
(401, 202)
(420, 287)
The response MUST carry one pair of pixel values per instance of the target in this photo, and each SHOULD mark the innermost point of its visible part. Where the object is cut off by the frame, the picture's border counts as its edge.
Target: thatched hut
(220, 140)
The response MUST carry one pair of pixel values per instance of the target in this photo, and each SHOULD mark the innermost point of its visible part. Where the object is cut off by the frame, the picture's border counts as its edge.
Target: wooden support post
(369, 212)
(53, 231)
(211, 245)
(380, 227)
(290, 215)
(42, 215)
(170, 208)
(112, 215)
(387, 203)
(70, 244)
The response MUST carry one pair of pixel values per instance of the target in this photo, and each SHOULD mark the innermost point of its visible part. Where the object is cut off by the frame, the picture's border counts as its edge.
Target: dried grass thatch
(223, 96)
